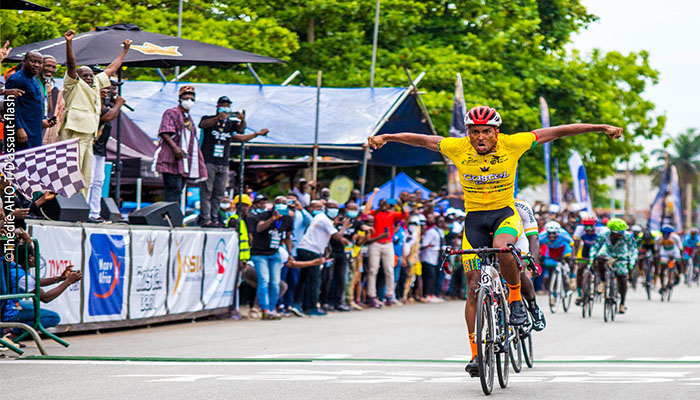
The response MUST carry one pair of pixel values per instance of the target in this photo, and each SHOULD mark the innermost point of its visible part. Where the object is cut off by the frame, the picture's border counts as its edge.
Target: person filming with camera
(217, 133)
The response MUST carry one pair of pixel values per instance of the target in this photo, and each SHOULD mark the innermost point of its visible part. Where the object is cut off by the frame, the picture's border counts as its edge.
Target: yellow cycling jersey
(488, 180)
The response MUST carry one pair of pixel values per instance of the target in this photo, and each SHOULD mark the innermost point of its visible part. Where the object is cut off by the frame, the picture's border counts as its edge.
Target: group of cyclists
(487, 160)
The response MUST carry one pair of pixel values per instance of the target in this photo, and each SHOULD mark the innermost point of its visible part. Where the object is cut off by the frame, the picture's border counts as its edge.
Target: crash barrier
(137, 275)
(15, 294)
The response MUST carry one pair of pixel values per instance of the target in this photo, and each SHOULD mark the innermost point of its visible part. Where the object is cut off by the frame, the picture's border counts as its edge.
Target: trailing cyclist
(646, 243)
(585, 234)
(528, 242)
(557, 242)
(619, 246)
(669, 244)
(691, 242)
(487, 161)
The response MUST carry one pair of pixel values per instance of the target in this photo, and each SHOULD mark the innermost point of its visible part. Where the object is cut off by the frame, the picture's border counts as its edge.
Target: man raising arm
(487, 162)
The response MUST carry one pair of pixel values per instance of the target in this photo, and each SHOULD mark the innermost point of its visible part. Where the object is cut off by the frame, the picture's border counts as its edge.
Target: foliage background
(509, 52)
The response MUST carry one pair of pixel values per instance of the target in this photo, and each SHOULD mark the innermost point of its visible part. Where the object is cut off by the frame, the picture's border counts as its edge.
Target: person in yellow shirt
(486, 160)
(83, 105)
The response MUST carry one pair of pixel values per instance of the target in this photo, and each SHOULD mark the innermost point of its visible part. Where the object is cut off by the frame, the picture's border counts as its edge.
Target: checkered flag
(53, 167)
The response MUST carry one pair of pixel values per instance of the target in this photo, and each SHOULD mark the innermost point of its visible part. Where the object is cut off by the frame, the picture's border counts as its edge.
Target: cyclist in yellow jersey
(487, 160)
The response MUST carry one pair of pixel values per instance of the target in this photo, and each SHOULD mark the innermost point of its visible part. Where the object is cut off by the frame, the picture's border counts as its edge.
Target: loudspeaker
(73, 208)
(109, 210)
(155, 215)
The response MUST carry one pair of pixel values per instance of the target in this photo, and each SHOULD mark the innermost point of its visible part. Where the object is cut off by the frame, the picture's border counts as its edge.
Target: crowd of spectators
(325, 257)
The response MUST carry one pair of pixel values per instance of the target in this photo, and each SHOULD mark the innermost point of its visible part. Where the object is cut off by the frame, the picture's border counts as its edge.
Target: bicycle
(557, 293)
(668, 275)
(493, 332)
(588, 292)
(611, 294)
(648, 269)
(521, 346)
(691, 273)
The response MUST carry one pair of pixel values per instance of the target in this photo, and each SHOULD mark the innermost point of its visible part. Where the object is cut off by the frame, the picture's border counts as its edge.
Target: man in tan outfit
(81, 92)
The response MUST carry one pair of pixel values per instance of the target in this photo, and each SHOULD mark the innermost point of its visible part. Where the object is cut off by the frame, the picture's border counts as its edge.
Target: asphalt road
(413, 352)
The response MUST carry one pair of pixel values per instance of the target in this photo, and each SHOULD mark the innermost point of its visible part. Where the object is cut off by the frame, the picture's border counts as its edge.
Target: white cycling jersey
(528, 225)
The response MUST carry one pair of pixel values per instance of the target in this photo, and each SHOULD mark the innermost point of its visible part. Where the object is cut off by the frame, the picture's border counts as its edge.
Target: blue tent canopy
(347, 117)
(402, 182)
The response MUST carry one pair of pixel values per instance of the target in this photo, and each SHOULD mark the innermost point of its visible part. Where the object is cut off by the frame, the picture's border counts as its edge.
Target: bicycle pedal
(474, 374)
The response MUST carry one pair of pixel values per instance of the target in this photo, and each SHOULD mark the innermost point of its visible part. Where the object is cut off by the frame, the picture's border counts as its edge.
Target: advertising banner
(580, 182)
(59, 248)
(185, 272)
(149, 260)
(220, 267)
(457, 129)
(106, 278)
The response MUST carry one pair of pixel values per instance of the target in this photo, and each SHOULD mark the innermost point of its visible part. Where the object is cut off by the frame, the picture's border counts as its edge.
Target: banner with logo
(457, 129)
(552, 181)
(185, 272)
(59, 249)
(580, 183)
(106, 278)
(666, 208)
(149, 272)
(220, 267)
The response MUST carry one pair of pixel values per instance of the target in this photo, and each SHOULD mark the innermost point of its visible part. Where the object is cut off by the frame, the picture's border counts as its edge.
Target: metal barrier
(11, 272)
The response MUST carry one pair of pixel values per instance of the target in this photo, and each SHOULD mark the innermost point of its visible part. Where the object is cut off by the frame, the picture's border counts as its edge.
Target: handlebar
(482, 252)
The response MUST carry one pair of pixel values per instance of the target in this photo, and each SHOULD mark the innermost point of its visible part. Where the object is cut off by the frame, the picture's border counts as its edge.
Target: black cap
(95, 69)
(224, 99)
(116, 83)
(259, 198)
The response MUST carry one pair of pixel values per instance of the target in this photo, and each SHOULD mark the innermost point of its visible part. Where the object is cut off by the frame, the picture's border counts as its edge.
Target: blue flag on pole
(551, 183)
(457, 129)
(580, 182)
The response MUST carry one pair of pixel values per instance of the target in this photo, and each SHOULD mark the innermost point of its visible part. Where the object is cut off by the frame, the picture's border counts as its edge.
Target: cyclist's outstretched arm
(414, 139)
(545, 135)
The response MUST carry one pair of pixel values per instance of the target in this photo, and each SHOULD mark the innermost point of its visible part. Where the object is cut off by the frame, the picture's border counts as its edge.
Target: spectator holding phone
(217, 133)
(21, 281)
(313, 246)
(383, 249)
(273, 230)
(302, 220)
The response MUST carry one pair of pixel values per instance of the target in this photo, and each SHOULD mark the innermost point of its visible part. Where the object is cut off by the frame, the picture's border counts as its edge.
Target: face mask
(353, 214)
(187, 104)
(332, 212)
(316, 212)
(224, 206)
(223, 109)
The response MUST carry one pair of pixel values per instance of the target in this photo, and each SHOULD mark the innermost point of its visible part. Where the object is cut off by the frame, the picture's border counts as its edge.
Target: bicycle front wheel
(503, 330)
(485, 335)
(554, 290)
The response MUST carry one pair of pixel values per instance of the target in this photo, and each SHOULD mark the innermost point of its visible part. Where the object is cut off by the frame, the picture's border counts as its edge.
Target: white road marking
(303, 355)
(576, 358)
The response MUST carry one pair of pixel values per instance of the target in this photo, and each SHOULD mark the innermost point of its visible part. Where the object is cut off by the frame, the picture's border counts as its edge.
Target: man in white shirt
(312, 246)
(430, 256)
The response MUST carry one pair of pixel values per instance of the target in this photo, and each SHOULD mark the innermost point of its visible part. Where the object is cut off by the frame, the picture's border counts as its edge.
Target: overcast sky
(670, 31)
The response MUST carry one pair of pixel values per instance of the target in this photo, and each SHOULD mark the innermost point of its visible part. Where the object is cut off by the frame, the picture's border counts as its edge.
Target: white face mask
(187, 104)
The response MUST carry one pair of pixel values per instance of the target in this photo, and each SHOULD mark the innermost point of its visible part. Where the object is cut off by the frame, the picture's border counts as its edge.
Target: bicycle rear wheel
(485, 335)
(503, 330)
(516, 351)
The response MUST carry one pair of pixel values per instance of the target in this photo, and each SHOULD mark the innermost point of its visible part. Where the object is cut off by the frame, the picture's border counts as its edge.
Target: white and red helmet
(483, 115)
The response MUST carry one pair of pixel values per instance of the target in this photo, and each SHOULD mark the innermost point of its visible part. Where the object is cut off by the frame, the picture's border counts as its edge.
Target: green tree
(509, 52)
(683, 152)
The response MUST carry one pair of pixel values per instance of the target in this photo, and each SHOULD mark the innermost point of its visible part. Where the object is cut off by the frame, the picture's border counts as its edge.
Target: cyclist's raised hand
(376, 141)
(613, 132)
